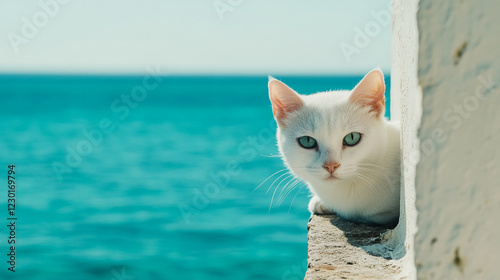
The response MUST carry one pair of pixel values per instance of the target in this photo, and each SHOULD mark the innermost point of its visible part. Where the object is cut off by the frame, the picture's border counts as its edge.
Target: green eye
(307, 142)
(352, 139)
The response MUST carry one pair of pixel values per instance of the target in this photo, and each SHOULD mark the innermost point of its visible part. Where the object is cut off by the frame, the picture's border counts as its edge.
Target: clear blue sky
(189, 37)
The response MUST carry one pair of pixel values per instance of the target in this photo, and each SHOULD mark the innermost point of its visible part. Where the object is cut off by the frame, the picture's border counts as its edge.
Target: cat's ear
(370, 92)
(284, 99)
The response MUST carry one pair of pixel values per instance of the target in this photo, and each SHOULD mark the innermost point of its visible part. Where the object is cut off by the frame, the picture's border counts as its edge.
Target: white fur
(368, 180)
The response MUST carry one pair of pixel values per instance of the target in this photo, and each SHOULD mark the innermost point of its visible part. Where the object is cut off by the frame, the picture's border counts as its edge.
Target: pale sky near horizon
(189, 37)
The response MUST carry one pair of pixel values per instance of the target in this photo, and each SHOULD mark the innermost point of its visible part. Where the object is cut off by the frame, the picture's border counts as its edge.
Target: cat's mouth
(331, 177)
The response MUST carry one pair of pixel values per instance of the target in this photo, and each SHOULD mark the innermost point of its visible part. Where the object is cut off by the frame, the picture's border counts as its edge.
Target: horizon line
(183, 74)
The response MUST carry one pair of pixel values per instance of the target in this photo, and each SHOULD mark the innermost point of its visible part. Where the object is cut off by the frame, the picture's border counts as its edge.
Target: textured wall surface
(405, 107)
(457, 179)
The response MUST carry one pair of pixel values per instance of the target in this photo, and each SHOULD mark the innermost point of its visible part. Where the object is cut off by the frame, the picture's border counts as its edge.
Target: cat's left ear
(370, 92)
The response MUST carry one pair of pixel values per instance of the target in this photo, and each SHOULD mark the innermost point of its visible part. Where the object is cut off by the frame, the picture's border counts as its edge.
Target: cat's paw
(315, 207)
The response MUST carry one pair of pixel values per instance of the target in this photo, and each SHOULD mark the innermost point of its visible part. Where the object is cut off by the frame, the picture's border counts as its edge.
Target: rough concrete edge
(340, 249)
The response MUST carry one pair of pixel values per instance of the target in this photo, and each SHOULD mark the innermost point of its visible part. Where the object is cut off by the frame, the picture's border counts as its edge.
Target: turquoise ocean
(118, 177)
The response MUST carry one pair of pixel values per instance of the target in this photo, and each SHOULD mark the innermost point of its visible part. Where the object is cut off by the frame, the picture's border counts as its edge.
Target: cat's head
(330, 136)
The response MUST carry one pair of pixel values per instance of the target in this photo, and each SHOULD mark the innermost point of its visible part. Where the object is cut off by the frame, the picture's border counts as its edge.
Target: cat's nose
(331, 166)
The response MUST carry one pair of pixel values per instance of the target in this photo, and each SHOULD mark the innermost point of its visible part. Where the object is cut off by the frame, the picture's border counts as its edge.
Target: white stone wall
(405, 107)
(458, 177)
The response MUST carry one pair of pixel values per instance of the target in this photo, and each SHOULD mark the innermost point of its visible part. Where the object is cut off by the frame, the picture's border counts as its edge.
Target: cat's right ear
(284, 100)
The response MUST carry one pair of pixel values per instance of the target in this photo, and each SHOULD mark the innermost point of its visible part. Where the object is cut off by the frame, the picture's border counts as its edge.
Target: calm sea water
(161, 187)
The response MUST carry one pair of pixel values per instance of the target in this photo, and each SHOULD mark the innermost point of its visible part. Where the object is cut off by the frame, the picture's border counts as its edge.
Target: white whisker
(272, 198)
(291, 189)
(294, 181)
(284, 174)
(300, 189)
(271, 155)
(269, 178)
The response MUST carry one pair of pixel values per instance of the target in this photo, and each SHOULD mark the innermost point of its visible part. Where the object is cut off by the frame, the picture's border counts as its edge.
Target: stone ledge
(340, 249)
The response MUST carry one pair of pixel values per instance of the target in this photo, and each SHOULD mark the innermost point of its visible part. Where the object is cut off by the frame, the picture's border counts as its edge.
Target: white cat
(339, 143)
